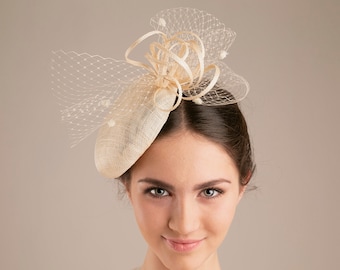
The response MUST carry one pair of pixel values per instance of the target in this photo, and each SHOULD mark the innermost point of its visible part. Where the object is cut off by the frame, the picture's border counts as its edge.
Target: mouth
(183, 245)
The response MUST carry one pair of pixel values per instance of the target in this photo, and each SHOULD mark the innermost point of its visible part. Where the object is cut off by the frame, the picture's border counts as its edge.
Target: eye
(158, 192)
(211, 192)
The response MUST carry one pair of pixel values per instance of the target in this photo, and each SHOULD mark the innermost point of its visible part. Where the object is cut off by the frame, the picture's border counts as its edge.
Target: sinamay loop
(177, 63)
(130, 100)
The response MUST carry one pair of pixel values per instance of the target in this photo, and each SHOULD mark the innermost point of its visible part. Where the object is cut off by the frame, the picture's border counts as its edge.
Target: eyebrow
(157, 183)
(211, 183)
(170, 187)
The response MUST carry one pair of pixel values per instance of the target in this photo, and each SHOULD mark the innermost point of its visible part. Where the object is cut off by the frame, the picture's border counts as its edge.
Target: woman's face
(184, 191)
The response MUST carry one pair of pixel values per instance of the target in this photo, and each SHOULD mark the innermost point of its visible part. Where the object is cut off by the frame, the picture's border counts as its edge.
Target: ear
(128, 192)
(245, 185)
(242, 190)
(124, 189)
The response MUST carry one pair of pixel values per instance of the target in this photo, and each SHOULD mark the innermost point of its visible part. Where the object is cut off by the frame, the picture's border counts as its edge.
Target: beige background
(58, 213)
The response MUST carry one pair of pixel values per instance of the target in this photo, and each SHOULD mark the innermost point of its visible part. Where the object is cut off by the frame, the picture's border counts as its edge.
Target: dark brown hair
(224, 125)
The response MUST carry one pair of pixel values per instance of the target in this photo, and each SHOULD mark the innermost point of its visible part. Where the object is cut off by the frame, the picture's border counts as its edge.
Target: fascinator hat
(130, 101)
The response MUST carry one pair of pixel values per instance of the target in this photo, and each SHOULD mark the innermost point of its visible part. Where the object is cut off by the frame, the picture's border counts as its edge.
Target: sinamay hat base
(122, 140)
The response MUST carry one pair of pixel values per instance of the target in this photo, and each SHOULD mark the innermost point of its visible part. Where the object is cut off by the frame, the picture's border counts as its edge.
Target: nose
(184, 218)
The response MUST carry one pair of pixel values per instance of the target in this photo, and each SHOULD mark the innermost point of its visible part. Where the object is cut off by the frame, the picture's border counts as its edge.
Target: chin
(187, 262)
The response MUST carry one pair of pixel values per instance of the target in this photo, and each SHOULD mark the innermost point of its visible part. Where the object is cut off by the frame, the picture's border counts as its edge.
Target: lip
(183, 245)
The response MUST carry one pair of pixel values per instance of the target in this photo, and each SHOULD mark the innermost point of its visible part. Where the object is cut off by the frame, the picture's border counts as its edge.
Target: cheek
(221, 217)
(149, 216)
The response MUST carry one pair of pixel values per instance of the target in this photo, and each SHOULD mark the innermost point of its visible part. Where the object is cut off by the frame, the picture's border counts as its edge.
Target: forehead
(185, 157)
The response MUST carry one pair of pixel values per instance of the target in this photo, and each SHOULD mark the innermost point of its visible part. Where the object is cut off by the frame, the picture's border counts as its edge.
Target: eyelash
(150, 191)
(219, 193)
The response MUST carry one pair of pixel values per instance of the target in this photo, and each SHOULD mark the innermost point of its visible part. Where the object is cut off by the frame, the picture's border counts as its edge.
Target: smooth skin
(184, 191)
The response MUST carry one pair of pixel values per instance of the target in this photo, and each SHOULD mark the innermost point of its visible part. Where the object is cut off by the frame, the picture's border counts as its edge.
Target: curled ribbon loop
(177, 64)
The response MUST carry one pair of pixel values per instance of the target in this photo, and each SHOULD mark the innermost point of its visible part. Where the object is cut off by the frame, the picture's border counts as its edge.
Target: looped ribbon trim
(169, 65)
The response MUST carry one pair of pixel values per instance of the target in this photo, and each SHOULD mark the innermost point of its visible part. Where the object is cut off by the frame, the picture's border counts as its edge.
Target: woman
(173, 133)
(185, 188)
